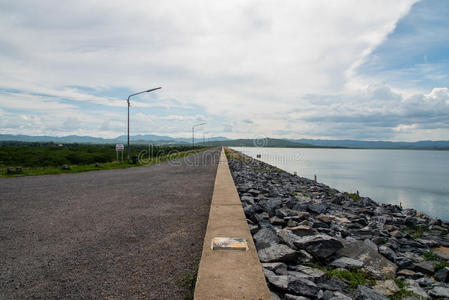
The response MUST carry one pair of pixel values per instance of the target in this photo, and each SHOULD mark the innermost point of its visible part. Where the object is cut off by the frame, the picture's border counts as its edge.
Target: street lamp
(147, 91)
(193, 134)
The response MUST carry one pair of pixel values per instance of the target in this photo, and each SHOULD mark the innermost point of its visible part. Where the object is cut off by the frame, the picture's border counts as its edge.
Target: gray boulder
(347, 263)
(442, 275)
(276, 267)
(265, 237)
(278, 281)
(440, 292)
(288, 237)
(316, 274)
(320, 245)
(294, 297)
(303, 230)
(340, 296)
(366, 293)
(360, 251)
(277, 253)
(303, 287)
(426, 267)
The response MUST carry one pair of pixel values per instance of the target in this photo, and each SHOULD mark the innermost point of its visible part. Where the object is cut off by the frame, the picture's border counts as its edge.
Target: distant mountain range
(223, 141)
(143, 139)
(375, 144)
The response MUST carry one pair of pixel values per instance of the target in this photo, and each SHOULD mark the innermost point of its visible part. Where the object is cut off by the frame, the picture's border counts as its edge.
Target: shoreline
(315, 242)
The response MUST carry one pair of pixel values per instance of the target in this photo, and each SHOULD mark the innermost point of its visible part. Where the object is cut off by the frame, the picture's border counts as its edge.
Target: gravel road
(118, 234)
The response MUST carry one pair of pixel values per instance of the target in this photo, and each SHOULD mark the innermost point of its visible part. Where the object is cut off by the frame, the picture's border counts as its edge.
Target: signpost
(119, 148)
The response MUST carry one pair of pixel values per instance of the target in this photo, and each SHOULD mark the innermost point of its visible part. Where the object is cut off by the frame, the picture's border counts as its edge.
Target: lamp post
(147, 91)
(193, 134)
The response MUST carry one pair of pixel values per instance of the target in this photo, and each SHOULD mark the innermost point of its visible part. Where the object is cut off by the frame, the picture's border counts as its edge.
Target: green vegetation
(49, 158)
(416, 231)
(352, 278)
(441, 265)
(402, 294)
(232, 155)
(430, 256)
(189, 280)
(353, 196)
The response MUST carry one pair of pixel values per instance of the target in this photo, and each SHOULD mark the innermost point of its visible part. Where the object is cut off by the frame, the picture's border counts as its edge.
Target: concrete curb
(229, 274)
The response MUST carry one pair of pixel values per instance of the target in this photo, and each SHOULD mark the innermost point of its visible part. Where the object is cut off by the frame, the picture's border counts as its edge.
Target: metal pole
(128, 129)
(193, 134)
(129, 104)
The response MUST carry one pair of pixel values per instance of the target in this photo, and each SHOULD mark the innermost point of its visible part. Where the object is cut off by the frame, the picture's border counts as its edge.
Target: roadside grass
(189, 280)
(34, 171)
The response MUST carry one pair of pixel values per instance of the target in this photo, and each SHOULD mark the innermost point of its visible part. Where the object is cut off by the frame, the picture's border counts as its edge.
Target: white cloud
(266, 68)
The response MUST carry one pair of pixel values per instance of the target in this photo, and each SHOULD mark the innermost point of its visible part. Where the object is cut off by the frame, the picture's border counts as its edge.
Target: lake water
(417, 179)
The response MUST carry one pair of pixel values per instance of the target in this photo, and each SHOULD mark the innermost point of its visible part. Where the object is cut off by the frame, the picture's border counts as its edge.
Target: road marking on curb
(228, 243)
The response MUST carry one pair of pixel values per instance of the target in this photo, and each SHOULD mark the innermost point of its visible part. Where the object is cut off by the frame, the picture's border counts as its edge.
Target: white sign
(119, 147)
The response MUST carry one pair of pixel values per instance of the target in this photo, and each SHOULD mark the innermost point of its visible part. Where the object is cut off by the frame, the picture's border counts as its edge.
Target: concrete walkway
(119, 234)
(229, 274)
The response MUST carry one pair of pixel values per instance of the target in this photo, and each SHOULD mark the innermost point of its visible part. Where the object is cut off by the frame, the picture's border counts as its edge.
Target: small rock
(293, 297)
(425, 282)
(253, 228)
(316, 274)
(386, 288)
(371, 244)
(408, 274)
(279, 281)
(276, 267)
(388, 253)
(277, 252)
(426, 267)
(320, 245)
(303, 215)
(303, 230)
(285, 212)
(442, 275)
(413, 286)
(265, 237)
(276, 221)
(347, 263)
(441, 252)
(303, 287)
(366, 293)
(317, 208)
(274, 296)
(360, 251)
(248, 200)
(340, 296)
(440, 292)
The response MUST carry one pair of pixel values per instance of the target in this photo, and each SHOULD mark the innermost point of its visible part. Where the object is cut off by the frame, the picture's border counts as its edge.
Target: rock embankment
(315, 242)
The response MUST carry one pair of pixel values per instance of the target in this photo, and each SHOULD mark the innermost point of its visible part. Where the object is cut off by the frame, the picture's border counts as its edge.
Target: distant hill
(142, 139)
(223, 141)
(375, 144)
(267, 142)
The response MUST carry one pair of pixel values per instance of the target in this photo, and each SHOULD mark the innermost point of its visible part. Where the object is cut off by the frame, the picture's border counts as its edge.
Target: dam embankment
(315, 242)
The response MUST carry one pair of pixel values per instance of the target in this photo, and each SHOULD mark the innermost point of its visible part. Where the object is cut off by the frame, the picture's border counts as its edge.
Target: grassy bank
(50, 158)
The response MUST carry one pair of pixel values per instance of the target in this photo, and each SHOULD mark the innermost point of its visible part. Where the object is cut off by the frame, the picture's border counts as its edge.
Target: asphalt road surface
(118, 234)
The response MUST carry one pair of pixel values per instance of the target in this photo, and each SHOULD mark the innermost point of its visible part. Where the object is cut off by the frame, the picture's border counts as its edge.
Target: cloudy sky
(361, 69)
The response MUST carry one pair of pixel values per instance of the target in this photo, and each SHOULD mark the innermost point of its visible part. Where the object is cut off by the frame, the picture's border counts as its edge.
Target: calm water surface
(417, 179)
